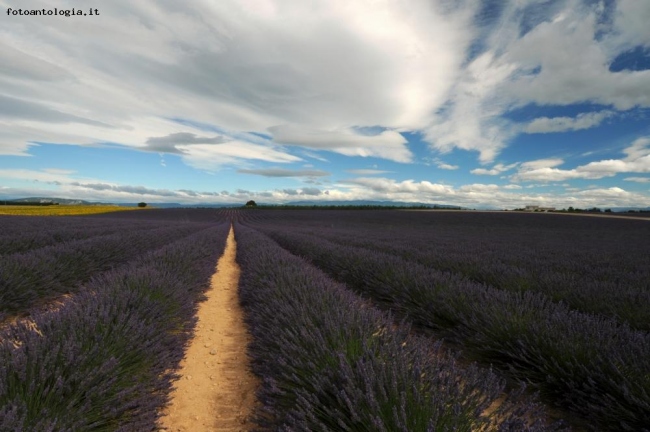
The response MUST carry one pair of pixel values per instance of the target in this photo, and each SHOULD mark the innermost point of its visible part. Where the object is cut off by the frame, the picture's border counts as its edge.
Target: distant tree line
(345, 207)
(589, 210)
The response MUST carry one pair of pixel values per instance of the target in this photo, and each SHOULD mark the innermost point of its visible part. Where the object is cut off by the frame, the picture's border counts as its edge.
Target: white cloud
(639, 149)
(67, 185)
(45, 176)
(310, 71)
(363, 172)
(563, 124)
(167, 144)
(541, 163)
(446, 166)
(428, 161)
(58, 171)
(612, 193)
(515, 71)
(281, 172)
(476, 195)
(579, 72)
(638, 179)
(483, 171)
(246, 66)
(479, 188)
(471, 119)
(388, 144)
(495, 170)
(630, 25)
(637, 161)
(207, 156)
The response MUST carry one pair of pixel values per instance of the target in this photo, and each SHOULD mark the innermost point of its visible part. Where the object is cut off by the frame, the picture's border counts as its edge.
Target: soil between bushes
(216, 391)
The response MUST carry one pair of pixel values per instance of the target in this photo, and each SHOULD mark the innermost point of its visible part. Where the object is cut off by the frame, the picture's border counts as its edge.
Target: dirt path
(216, 391)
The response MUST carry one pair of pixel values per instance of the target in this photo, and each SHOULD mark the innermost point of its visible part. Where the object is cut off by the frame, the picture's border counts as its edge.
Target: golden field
(61, 210)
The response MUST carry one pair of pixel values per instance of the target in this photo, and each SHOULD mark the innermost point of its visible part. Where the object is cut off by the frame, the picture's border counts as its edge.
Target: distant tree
(142, 204)
(251, 203)
(571, 209)
(608, 210)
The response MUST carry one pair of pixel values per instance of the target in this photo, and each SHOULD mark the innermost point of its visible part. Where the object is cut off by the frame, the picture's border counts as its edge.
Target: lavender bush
(593, 365)
(25, 233)
(39, 275)
(559, 256)
(105, 360)
(331, 362)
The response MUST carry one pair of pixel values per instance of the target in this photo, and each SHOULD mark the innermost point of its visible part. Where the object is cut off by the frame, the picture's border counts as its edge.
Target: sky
(483, 104)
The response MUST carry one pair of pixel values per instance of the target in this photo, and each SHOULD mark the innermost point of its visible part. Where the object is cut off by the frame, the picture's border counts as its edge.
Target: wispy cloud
(229, 85)
(137, 190)
(443, 165)
(387, 144)
(304, 191)
(363, 172)
(280, 172)
(375, 188)
(389, 65)
(563, 124)
(212, 157)
(495, 170)
(638, 179)
(392, 67)
(167, 144)
(514, 70)
(11, 107)
(636, 161)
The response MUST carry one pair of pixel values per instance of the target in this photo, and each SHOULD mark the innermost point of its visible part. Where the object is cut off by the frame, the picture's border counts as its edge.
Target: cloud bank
(242, 85)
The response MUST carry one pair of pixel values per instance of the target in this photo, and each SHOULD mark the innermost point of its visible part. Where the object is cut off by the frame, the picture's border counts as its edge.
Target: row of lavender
(24, 233)
(617, 298)
(105, 359)
(593, 365)
(44, 273)
(594, 265)
(331, 362)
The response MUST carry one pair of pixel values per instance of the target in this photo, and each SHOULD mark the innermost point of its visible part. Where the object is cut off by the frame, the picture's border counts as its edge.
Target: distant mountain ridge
(44, 200)
(69, 201)
(369, 203)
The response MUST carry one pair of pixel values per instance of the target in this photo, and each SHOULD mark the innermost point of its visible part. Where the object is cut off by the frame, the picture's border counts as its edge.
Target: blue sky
(495, 104)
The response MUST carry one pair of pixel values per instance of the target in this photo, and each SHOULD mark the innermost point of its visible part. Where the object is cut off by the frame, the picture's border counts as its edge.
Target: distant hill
(625, 209)
(51, 200)
(178, 205)
(370, 203)
(304, 203)
(68, 201)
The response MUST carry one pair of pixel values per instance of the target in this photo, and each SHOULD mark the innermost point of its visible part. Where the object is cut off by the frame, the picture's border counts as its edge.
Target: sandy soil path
(216, 391)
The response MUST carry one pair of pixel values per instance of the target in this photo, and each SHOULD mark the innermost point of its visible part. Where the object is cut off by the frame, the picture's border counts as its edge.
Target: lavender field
(97, 312)
(360, 320)
(556, 302)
